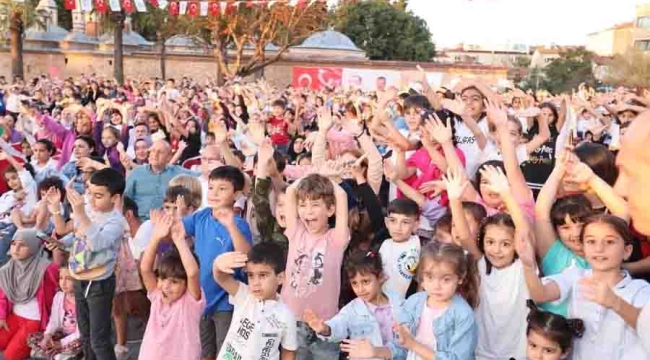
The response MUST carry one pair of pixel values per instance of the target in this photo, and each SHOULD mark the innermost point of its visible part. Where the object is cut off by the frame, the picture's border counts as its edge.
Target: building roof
(53, 33)
(184, 41)
(130, 38)
(622, 26)
(329, 39)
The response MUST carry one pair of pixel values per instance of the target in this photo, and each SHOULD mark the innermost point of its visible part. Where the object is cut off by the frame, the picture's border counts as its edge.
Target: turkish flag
(316, 78)
(70, 4)
(153, 3)
(213, 8)
(127, 5)
(250, 4)
(231, 8)
(100, 6)
(173, 8)
(301, 4)
(193, 9)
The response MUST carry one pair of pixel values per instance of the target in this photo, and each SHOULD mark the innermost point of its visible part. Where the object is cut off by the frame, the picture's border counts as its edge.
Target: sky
(530, 22)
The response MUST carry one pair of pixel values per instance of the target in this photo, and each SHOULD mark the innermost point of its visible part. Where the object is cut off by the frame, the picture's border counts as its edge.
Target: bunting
(192, 8)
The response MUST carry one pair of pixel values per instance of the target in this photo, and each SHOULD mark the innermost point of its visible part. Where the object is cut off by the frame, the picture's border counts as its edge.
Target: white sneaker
(121, 351)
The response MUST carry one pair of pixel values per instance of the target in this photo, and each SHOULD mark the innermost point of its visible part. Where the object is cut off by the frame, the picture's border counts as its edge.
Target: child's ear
(280, 276)
(238, 193)
(331, 210)
(627, 252)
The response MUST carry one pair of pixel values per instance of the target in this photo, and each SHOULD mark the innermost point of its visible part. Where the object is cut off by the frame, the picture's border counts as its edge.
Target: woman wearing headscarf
(28, 283)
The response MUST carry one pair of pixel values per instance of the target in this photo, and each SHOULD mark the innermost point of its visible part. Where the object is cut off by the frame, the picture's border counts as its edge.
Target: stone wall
(146, 64)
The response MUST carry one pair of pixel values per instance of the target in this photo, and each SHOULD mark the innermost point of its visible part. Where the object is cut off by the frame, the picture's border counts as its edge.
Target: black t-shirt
(541, 161)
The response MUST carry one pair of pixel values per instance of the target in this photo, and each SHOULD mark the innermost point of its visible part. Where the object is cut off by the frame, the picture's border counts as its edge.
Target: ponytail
(554, 327)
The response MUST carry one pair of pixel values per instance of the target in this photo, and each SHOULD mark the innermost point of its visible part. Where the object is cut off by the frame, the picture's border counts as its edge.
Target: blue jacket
(356, 321)
(456, 331)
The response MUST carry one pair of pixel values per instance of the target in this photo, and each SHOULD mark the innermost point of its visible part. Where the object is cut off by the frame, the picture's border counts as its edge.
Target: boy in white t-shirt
(262, 326)
(400, 253)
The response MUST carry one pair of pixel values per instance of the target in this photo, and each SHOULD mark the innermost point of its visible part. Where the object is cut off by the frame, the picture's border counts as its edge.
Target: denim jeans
(310, 347)
(94, 301)
(7, 231)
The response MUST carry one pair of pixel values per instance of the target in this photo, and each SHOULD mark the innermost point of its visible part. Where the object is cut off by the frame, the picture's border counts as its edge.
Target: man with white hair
(147, 184)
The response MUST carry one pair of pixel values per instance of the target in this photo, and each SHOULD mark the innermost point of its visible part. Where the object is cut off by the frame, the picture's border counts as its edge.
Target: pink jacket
(44, 296)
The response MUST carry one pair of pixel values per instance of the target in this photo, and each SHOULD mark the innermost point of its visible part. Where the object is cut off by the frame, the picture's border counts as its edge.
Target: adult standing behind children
(217, 230)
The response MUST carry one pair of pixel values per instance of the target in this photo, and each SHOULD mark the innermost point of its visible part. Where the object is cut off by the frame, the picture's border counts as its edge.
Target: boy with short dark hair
(400, 254)
(260, 318)
(93, 247)
(217, 230)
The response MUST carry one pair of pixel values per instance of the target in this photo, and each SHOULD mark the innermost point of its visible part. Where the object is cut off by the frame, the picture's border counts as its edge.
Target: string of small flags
(191, 8)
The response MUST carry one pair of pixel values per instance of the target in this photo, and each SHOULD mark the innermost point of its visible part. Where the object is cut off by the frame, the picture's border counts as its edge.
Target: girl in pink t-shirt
(176, 298)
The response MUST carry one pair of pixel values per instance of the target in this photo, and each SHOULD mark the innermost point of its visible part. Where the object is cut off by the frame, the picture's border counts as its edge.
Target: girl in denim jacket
(438, 323)
(367, 320)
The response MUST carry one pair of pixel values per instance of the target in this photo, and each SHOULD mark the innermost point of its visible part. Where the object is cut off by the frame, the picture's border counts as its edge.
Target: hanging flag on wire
(213, 8)
(173, 8)
(115, 5)
(86, 5)
(70, 4)
(193, 9)
(100, 6)
(140, 5)
(128, 6)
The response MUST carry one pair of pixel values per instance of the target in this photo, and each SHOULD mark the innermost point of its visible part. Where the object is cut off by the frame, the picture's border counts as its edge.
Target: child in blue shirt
(217, 230)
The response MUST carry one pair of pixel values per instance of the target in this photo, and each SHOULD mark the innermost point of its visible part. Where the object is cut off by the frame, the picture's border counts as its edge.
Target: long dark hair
(499, 219)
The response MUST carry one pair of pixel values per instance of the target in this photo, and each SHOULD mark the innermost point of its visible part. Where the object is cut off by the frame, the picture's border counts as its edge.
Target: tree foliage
(569, 70)
(16, 18)
(385, 31)
(630, 69)
(248, 31)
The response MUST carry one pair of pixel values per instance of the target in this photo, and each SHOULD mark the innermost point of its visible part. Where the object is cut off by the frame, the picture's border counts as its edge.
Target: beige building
(542, 56)
(471, 54)
(613, 41)
(641, 36)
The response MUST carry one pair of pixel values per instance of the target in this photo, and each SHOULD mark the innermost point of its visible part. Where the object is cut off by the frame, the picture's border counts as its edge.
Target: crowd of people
(247, 221)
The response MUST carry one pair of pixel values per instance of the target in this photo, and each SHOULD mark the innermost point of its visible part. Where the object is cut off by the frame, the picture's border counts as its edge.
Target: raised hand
(497, 180)
(496, 114)
(265, 152)
(524, 241)
(75, 199)
(53, 199)
(177, 231)
(162, 224)
(181, 207)
(455, 184)
(331, 168)
(357, 169)
(389, 172)
(432, 188)
(325, 120)
(315, 322)
(456, 106)
(440, 131)
(228, 262)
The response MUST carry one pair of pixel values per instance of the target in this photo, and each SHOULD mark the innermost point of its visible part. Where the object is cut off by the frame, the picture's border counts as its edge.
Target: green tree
(385, 31)
(630, 69)
(569, 70)
(247, 31)
(159, 26)
(16, 17)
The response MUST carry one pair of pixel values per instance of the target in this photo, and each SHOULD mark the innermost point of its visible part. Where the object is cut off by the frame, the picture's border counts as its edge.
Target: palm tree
(15, 17)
